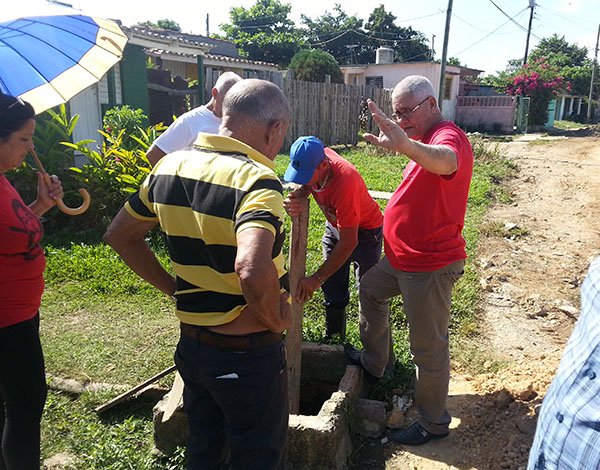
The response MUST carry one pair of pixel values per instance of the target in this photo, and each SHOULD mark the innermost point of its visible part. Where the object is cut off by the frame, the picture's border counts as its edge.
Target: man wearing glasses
(424, 250)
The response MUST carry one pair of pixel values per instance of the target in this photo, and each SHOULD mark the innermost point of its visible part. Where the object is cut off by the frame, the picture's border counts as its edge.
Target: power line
(578, 21)
(490, 33)
(508, 16)
(420, 17)
(358, 33)
(469, 24)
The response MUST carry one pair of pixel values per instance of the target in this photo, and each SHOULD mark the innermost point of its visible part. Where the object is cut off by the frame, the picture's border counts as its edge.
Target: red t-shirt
(22, 259)
(345, 200)
(423, 220)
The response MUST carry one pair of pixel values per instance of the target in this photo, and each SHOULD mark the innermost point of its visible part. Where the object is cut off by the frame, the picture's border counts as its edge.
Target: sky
(484, 34)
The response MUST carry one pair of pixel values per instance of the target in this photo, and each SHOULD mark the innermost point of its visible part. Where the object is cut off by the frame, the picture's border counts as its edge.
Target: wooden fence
(336, 113)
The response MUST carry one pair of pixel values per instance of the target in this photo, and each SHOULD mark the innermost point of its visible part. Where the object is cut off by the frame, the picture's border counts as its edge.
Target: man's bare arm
(338, 256)
(259, 279)
(126, 235)
(154, 154)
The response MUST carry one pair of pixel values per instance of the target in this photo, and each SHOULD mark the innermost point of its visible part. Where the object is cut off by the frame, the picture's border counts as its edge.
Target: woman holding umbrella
(22, 262)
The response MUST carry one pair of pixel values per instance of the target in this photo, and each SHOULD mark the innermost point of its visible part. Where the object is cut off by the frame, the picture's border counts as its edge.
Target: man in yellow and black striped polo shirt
(221, 207)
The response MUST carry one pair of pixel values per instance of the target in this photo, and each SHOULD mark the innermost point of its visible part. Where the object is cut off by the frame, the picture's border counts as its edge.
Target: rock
(502, 399)
(395, 418)
(370, 417)
(526, 424)
(542, 312)
(569, 309)
(527, 394)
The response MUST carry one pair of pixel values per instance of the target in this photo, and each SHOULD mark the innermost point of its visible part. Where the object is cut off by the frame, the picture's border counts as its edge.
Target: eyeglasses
(409, 113)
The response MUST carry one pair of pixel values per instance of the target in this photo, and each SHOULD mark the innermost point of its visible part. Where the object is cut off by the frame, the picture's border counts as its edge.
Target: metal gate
(522, 114)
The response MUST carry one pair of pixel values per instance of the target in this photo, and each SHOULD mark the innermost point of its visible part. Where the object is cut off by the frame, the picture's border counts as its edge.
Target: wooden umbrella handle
(59, 202)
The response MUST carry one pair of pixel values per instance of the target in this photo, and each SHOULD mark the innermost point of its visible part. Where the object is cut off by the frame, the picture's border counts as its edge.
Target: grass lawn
(569, 125)
(101, 323)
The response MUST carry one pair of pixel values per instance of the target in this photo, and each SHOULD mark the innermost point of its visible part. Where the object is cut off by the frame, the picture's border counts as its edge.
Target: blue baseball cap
(305, 155)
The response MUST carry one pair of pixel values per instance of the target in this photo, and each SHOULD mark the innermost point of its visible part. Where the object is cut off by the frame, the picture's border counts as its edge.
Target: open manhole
(319, 437)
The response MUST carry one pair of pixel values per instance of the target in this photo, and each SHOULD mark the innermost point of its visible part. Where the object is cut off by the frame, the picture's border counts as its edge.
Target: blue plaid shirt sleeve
(568, 430)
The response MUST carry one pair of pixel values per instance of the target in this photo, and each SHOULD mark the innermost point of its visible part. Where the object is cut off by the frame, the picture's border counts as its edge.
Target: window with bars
(376, 82)
(447, 88)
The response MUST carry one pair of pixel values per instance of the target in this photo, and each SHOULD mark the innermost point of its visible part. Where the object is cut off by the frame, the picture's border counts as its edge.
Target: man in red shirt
(424, 250)
(353, 231)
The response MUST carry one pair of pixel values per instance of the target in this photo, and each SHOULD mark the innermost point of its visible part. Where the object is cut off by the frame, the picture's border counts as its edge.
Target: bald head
(414, 100)
(255, 112)
(223, 84)
(257, 100)
(226, 81)
(416, 86)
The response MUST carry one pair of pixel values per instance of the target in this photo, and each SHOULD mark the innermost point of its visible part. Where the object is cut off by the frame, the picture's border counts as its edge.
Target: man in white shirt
(206, 118)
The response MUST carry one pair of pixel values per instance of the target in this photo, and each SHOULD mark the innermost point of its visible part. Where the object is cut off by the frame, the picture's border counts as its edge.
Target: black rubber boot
(335, 319)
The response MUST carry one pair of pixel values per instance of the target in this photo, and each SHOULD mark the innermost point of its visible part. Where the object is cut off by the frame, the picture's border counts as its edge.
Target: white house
(386, 74)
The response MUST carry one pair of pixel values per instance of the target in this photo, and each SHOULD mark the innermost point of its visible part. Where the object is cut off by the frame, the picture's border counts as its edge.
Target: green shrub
(124, 121)
(113, 173)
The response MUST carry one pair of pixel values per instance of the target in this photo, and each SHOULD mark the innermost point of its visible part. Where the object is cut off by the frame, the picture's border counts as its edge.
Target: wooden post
(297, 263)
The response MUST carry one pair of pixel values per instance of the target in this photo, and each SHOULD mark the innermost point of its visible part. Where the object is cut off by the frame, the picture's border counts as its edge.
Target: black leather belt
(237, 342)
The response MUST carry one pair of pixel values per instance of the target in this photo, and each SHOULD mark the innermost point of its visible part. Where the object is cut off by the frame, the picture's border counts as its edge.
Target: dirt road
(532, 264)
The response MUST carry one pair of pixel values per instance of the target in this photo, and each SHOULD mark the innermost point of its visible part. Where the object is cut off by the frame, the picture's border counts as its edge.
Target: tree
(541, 81)
(168, 24)
(312, 65)
(454, 61)
(559, 52)
(570, 59)
(336, 33)
(264, 32)
(408, 45)
(350, 42)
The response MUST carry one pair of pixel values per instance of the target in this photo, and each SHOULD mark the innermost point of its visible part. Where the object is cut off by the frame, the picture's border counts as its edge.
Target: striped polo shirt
(201, 197)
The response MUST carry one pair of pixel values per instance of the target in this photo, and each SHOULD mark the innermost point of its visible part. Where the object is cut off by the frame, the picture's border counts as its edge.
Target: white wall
(394, 73)
(87, 105)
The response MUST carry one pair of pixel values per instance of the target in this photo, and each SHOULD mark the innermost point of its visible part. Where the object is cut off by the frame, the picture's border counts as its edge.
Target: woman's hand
(49, 190)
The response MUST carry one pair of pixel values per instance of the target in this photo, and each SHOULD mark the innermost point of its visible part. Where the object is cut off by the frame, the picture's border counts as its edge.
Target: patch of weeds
(540, 143)
(474, 359)
(569, 125)
(121, 441)
(503, 230)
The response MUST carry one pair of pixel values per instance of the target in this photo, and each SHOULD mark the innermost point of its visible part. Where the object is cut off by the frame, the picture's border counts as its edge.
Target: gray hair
(415, 85)
(258, 100)
(226, 80)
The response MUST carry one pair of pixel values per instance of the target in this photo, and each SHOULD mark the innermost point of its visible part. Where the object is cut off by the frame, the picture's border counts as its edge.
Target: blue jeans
(336, 287)
(236, 403)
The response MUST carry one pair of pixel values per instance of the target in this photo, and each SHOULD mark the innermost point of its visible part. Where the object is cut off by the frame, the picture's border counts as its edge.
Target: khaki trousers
(426, 297)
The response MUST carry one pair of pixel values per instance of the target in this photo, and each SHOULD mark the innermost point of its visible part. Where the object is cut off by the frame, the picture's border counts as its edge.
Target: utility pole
(432, 46)
(531, 6)
(589, 110)
(207, 28)
(444, 54)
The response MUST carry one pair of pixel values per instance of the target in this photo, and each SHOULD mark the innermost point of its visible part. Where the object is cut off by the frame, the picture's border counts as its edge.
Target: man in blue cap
(353, 231)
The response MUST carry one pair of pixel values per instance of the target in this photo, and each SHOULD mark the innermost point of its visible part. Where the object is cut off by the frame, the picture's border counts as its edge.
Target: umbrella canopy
(50, 56)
